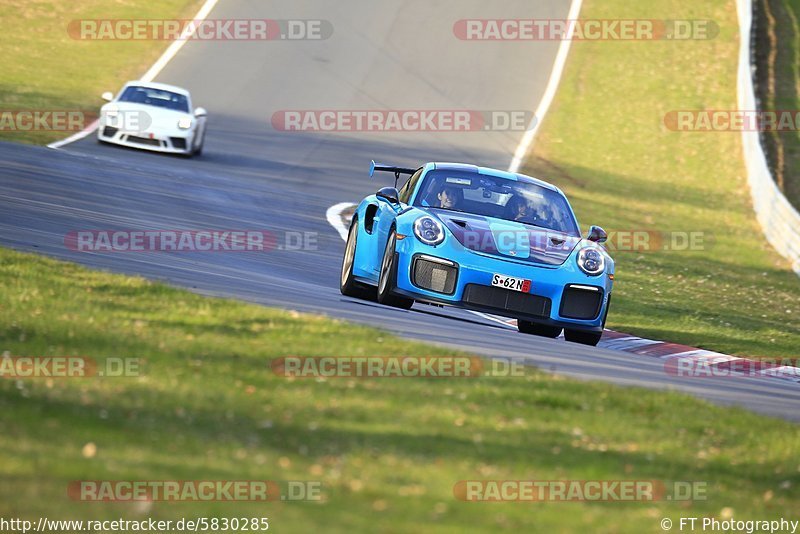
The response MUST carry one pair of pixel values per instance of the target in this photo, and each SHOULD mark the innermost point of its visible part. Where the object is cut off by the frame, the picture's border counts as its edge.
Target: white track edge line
(549, 92)
(75, 137)
(334, 216)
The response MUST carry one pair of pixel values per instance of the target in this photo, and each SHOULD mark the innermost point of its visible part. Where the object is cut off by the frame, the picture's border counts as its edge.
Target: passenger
(519, 209)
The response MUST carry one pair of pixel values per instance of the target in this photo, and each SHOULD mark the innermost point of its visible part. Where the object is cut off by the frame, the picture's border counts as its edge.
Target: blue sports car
(481, 239)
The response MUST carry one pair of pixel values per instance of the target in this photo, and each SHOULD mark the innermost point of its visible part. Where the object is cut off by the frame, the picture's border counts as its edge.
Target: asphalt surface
(382, 55)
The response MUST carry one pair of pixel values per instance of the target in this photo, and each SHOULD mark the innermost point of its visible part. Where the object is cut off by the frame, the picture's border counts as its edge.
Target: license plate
(509, 282)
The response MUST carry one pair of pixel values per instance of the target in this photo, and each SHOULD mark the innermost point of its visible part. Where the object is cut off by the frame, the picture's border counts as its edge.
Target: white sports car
(153, 116)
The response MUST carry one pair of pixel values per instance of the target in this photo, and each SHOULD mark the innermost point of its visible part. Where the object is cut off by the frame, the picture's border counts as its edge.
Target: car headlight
(185, 123)
(429, 230)
(591, 261)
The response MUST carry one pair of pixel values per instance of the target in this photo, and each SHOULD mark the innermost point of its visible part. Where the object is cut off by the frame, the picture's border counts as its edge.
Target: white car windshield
(155, 97)
(501, 198)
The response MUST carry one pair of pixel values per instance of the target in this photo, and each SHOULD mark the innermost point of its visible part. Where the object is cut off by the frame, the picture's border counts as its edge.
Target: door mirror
(200, 112)
(389, 194)
(108, 96)
(597, 234)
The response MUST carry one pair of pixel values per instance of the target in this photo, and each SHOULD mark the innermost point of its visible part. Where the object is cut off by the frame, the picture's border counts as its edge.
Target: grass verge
(605, 142)
(387, 452)
(45, 69)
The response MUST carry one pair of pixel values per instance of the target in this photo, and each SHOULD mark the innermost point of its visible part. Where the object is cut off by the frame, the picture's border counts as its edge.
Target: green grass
(386, 451)
(605, 143)
(43, 68)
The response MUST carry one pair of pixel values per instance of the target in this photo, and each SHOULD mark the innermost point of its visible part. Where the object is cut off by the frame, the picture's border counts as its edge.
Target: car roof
(159, 86)
(487, 171)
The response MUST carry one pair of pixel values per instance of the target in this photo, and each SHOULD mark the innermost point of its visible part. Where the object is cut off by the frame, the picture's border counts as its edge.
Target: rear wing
(389, 168)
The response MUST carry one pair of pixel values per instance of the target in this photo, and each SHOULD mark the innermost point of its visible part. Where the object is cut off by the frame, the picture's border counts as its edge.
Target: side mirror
(108, 96)
(389, 194)
(200, 112)
(597, 234)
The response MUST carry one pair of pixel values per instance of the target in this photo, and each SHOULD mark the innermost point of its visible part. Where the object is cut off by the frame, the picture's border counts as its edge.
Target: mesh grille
(507, 300)
(178, 142)
(580, 303)
(434, 276)
(144, 140)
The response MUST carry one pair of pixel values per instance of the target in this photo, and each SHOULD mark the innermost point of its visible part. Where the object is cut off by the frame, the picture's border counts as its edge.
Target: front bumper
(560, 295)
(168, 142)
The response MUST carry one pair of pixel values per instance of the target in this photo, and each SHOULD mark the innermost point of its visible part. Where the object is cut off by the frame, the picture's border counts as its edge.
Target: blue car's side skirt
(366, 281)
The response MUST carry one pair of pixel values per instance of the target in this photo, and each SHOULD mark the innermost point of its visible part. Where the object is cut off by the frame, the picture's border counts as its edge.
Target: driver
(448, 197)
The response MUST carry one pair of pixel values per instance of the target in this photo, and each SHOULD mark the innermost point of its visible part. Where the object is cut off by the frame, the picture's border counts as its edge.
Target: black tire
(347, 284)
(387, 279)
(588, 338)
(527, 327)
(582, 336)
(199, 150)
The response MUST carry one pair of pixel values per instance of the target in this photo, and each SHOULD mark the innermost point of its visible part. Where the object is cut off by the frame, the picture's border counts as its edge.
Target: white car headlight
(591, 260)
(185, 123)
(429, 230)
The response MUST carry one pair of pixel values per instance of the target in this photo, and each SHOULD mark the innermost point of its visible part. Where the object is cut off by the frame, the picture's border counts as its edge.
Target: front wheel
(347, 284)
(388, 277)
(527, 327)
(583, 337)
(198, 150)
(588, 338)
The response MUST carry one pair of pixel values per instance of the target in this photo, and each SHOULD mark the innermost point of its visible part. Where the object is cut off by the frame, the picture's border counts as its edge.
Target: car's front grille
(581, 302)
(507, 300)
(143, 140)
(178, 143)
(434, 276)
(110, 131)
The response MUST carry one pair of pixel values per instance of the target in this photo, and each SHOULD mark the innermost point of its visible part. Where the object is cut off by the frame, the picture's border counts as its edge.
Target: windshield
(155, 97)
(501, 198)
